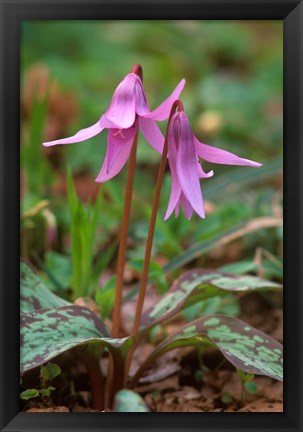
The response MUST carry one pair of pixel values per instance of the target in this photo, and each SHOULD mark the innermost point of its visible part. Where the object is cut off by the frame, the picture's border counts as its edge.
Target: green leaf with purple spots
(129, 401)
(196, 285)
(47, 333)
(33, 293)
(247, 348)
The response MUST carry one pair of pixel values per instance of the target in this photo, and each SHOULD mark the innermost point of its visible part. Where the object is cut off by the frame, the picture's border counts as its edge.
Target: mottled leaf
(33, 293)
(129, 401)
(247, 348)
(196, 285)
(49, 332)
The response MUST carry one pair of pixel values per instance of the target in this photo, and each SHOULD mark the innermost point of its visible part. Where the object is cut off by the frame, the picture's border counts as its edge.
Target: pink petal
(187, 208)
(177, 209)
(162, 112)
(219, 156)
(174, 198)
(142, 107)
(121, 112)
(152, 133)
(118, 149)
(175, 193)
(108, 124)
(187, 166)
(82, 135)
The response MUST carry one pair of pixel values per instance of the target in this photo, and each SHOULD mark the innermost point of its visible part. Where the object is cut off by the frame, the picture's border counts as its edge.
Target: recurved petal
(203, 174)
(121, 112)
(162, 112)
(219, 156)
(118, 149)
(187, 166)
(152, 133)
(82, 135)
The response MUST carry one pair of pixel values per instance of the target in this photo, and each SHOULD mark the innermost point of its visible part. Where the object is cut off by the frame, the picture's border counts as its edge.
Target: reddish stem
(118, 362)
(137, 69)
(120, 266)
(92, 363)
(123, 239)
(149, 241)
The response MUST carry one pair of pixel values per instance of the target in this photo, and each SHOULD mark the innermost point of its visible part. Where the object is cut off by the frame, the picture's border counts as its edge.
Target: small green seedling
(246, 384)
(47, 374)
(29, 394)
(226, 398)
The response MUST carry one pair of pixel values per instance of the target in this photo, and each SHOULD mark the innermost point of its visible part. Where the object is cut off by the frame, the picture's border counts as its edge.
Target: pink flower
(127, 111)
(184, 150)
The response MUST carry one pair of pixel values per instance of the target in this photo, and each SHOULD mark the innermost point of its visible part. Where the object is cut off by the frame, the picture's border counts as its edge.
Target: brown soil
(210, 398)
(219, 391)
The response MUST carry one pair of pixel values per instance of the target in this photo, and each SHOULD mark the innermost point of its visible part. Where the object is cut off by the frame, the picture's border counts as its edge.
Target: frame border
(12, 13)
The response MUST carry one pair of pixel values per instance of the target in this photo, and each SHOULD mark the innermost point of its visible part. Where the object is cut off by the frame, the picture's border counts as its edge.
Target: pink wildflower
(184, 150)
(127, 111)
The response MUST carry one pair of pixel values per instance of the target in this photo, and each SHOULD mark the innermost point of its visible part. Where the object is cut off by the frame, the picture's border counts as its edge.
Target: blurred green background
(233, 97)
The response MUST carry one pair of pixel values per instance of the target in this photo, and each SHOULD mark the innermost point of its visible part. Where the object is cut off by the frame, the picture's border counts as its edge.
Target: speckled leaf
(49, 332)
(247, 348)
(33, 293)
(129, 401)
(196, 285)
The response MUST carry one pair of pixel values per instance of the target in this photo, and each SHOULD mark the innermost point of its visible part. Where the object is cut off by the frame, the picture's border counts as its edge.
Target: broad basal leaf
(48, 332)
(196, 285)
(247, 348)
(33, 294)
(129, 401)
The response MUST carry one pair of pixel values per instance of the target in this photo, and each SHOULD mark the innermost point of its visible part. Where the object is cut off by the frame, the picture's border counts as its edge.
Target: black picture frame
(12, 13)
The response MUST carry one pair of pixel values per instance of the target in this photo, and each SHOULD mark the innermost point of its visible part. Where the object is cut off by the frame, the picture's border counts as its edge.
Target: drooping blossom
(184, 150)
(128, 111)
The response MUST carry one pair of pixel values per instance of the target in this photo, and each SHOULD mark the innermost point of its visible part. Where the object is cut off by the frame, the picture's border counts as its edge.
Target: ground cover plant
(129, 307)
